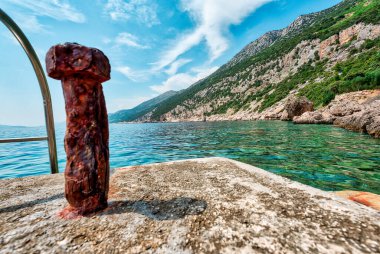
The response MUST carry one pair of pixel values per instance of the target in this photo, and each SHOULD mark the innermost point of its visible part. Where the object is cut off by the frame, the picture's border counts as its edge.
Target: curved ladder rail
(49, 119)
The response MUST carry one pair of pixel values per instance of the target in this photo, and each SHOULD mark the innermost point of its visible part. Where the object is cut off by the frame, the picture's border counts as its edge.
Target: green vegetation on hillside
(331, 22)
(282, 89)
(358, 73)
(324, 25)
(129, 115)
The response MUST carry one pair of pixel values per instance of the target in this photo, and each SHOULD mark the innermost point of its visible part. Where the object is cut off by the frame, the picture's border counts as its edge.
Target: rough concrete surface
(196, 206)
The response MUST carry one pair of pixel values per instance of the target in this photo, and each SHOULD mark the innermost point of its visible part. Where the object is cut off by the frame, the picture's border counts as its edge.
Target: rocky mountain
(129, 115)
(271, 37)
(316, 58)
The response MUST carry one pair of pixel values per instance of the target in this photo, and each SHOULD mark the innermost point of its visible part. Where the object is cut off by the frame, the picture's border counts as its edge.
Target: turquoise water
(322, 156)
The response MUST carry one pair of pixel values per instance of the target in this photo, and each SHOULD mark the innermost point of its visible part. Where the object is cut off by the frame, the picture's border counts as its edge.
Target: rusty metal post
(81, 71)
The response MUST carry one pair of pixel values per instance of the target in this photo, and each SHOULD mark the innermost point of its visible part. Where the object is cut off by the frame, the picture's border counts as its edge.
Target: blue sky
(153, 45)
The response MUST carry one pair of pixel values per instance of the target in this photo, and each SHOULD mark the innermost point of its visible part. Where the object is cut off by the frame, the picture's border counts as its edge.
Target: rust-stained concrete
(196, 206)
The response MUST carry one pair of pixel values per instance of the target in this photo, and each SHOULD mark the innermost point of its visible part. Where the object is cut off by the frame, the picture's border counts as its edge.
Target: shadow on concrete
(173, 209)
(28, 204)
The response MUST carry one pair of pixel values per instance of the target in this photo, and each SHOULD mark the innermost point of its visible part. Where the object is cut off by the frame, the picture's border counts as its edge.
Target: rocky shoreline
(356, 111)
(261, 92)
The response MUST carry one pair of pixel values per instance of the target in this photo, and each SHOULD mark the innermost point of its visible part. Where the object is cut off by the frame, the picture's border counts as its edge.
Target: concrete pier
(210, 205)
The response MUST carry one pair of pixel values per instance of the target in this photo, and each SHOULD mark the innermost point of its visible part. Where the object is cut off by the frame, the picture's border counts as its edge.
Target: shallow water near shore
(322, 156)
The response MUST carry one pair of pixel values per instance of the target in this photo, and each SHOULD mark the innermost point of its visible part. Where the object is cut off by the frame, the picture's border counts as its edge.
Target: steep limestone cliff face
(318, 57)
(256, 46)
(335, 49)
(271, 37)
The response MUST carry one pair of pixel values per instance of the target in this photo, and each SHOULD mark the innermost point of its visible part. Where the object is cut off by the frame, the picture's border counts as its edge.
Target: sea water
(322, 156)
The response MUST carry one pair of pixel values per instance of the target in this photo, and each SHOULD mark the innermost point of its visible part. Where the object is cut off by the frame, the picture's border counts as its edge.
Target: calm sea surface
(322, 156)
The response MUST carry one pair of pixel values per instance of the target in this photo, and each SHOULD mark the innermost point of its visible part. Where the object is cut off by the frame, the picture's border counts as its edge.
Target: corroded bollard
(82, 70)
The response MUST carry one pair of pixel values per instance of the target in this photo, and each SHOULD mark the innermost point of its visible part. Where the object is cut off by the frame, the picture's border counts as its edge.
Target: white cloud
(129, 40)
(27, 23)
(134, 75)
(30, 23)
(183, 80)
(127, 103)
(183, 44)
(56, 9)
(144, 75)
(213, 19)
(143, 11)
(176, 65)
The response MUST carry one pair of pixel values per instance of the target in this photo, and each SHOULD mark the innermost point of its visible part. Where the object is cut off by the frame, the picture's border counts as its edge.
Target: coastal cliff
(356, 111)
(305, 66)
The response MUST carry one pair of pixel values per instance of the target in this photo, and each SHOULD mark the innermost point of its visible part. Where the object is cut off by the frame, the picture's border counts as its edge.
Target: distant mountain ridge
(129, 115)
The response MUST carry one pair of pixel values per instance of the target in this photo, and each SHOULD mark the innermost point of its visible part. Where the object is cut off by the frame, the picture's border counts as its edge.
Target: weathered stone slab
(196, 206)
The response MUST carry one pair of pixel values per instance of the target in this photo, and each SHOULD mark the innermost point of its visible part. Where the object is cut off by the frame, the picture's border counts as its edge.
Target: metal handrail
(14, 140)
(48, 109)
